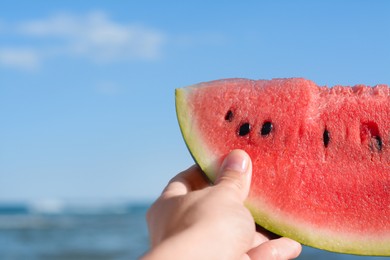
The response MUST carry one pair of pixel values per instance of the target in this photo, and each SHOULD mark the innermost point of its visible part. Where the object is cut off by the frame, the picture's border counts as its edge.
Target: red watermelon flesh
(321, 156)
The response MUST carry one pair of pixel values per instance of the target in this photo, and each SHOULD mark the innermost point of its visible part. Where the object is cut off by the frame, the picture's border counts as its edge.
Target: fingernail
(236, 161)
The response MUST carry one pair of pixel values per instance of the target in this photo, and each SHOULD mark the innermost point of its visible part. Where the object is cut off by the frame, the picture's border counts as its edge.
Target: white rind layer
(198, 149)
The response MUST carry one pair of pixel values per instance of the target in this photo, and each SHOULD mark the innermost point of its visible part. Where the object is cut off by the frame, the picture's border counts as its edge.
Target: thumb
(235, 174)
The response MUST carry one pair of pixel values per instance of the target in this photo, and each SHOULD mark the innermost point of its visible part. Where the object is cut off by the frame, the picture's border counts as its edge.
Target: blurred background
(88, 131)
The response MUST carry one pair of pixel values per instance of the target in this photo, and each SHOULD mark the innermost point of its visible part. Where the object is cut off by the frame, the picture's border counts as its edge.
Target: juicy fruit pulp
(321, 156)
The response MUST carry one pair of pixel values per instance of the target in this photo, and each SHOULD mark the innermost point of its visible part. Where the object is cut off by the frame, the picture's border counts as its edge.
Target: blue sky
(87, 87)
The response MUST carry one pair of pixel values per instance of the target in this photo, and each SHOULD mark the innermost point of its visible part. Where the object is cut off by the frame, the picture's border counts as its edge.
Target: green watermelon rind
(267, 217)
(194, 144)
(316, 237)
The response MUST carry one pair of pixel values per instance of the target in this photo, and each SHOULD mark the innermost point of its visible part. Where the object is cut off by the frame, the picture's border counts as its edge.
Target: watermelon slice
(321, 156)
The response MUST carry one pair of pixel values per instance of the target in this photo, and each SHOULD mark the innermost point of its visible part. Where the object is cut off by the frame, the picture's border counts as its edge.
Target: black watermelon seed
(378, 144)
(266, 128)
(244, 129)
(326, 137)
(229, 116)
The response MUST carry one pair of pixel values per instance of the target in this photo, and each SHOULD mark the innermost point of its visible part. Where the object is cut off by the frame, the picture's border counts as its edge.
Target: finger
(189, 180)
(235, 174)
(277, 249)
(259, 239)
(245, 257)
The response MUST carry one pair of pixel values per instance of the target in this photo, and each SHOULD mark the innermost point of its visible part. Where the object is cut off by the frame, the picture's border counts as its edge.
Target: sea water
(118, 232)
(81, 233)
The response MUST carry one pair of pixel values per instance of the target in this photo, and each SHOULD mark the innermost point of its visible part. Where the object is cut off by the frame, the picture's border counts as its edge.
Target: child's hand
(193, 220)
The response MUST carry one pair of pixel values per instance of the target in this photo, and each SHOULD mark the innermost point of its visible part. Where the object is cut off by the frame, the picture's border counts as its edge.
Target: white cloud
(93, 36)
(97, 37)
(22, 58)
(58, 25)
